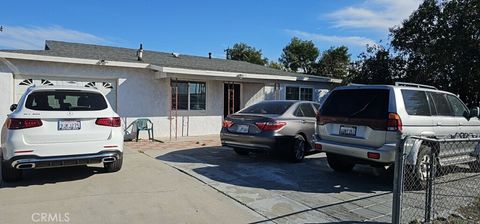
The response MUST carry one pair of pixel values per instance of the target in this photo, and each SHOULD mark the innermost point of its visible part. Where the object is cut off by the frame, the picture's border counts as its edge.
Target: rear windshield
(65, 100)
(357, 103)
(267, 107)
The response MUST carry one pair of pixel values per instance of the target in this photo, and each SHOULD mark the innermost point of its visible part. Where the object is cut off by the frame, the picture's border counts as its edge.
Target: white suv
(61, 126)
(366, 124)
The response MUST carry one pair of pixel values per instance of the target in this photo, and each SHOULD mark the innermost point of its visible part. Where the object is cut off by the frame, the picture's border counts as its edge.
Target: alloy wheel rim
(300, 149)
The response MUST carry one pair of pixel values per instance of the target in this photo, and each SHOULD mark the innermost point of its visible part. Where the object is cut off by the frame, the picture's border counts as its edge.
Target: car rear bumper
(255, 143)
(37, 162)
(385, 153)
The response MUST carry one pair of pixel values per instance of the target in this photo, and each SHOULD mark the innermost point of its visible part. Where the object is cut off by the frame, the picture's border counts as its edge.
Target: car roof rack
(414, 85)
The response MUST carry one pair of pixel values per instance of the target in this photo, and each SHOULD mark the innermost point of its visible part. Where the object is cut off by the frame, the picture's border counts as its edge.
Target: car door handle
(439, 123)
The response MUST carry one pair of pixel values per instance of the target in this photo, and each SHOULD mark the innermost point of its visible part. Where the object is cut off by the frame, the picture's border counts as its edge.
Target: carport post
(398, 183)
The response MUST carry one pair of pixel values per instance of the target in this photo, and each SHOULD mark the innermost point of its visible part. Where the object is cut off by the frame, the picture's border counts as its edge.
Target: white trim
(237, 75)
(161, 72)
(33, 57)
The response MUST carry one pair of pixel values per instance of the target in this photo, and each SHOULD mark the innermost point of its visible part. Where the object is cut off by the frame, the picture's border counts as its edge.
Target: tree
(299, 56)
(243, 52)
(376, 66)
(440, 43)
(334, 62)
(276, 65)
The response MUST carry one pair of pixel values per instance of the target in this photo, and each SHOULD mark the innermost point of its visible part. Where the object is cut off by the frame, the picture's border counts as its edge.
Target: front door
(231, 98)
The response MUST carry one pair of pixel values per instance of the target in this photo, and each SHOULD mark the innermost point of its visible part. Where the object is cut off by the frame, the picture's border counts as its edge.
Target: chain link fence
(437, 180)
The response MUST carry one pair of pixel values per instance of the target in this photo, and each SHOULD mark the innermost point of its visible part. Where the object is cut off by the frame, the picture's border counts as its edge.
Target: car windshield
(65, 100)
(357, 103)
(268, 107)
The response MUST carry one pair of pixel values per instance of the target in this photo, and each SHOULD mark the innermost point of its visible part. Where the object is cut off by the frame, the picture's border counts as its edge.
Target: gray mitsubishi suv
(366, 123)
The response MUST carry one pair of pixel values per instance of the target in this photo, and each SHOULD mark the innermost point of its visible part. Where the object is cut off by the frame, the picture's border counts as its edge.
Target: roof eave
(163, 70)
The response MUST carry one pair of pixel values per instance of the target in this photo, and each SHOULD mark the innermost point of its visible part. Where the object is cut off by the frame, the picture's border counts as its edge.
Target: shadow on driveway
(53, 175)
(273, 173)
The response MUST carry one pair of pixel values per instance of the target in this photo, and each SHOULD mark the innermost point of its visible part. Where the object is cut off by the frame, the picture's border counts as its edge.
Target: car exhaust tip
(109, 159)
(25, 166)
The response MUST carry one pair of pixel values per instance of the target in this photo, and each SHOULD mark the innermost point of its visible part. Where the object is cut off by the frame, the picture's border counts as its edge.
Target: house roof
(98, 52)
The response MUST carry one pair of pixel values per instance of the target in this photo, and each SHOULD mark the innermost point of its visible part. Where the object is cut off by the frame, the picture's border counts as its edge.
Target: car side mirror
(13, 107)
(475, 112)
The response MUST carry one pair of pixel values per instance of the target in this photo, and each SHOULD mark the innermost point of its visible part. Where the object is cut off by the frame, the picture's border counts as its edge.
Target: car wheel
(298, 149)
(242, 152)
(113, 166)
(420, 172)
(339, 163)
(10, 174)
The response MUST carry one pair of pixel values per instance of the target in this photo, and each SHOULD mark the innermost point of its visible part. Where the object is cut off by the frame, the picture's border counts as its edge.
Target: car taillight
(109, 121)
(270, 125)
(394, 123)
(19, 123)
(227, 123)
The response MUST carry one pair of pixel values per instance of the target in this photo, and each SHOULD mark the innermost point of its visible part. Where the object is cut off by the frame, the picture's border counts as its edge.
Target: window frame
(299, 88)
(303, 113)
(451, 105)
(404, 91)
(172, 84)
(435, 104)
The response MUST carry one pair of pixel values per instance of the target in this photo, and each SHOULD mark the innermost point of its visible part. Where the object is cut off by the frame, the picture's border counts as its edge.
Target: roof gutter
(45, 58)
(162, 72)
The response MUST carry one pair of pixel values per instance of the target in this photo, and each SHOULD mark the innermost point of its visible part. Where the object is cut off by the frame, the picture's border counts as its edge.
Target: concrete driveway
(144, 191)
(279, 191)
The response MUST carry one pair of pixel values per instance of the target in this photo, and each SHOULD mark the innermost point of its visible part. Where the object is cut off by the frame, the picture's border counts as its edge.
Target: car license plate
(242, 128)
(66, 125)
(348, 130)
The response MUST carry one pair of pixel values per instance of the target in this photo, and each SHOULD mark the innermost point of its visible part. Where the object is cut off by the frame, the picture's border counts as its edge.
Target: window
(441, 104)
(197, 95)
(268, 107)
(65, 101)
(293, 93)
(305, 110)
(416, 102)
(358, 103)
(191, 95)
(298, 93)
(459, 109)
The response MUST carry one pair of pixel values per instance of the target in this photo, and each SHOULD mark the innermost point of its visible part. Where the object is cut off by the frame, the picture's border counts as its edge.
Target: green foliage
(440, 43)
(276, 65)
(376, 66)
(300, 56)
(243, 52)
(334, 62)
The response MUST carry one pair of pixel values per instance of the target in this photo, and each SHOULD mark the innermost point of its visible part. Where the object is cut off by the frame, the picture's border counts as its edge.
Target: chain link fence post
(398, 183)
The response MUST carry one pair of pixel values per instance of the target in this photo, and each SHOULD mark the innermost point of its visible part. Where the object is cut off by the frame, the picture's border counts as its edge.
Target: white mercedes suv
(61, 126)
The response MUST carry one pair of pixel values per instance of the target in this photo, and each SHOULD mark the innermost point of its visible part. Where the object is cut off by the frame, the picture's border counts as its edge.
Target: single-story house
(182, 95)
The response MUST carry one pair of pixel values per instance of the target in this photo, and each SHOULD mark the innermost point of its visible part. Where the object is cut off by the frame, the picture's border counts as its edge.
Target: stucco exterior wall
(141, 95)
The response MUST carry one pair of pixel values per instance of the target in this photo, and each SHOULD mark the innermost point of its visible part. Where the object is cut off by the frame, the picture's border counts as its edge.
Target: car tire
(240, 151)
(113, 166)
(297, 153)
(10, 174)
(340, 163)
(419, 173)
